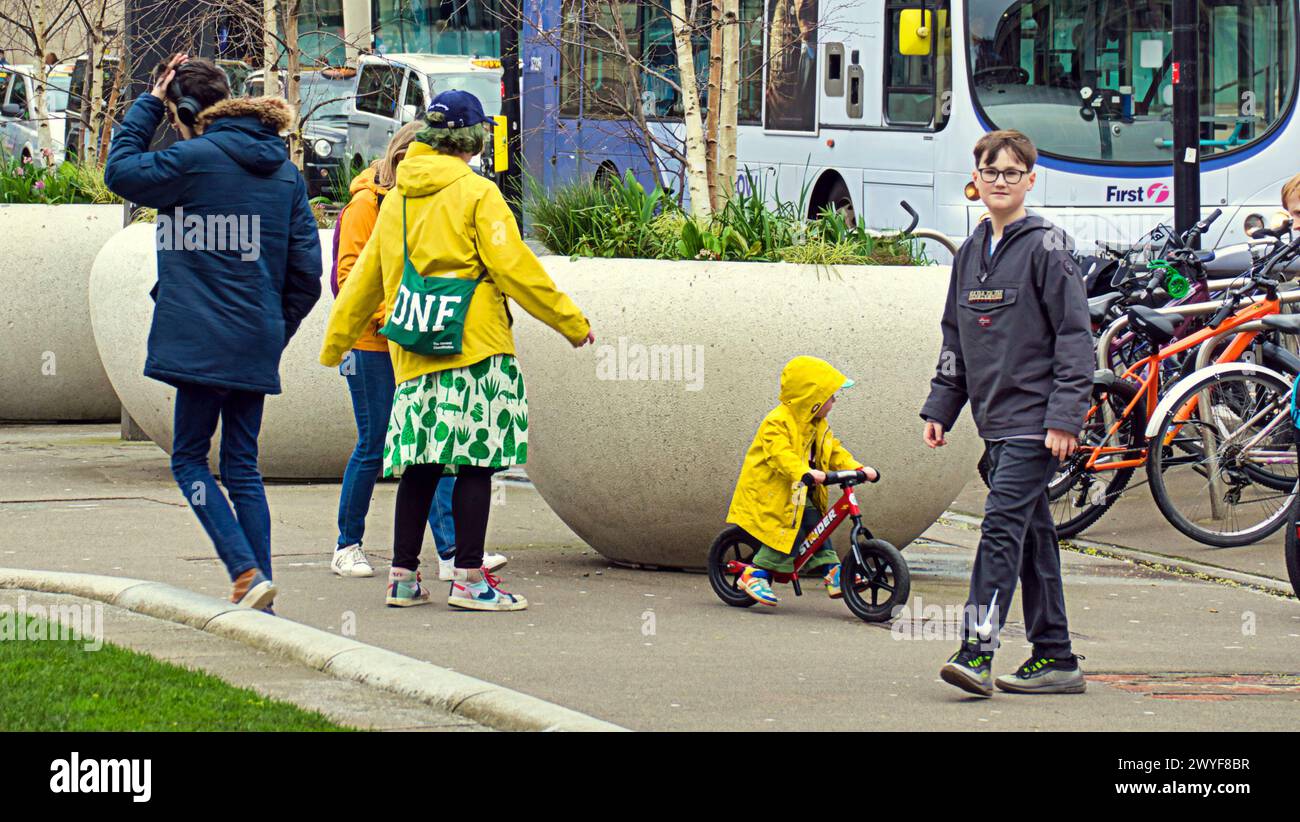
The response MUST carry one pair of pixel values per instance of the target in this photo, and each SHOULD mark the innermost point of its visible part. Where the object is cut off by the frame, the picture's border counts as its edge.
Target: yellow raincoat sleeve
(518, 273)
(780, 451)
(359, 297)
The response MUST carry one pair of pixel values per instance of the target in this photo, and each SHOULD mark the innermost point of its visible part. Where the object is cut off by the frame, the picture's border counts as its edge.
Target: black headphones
(187, 110)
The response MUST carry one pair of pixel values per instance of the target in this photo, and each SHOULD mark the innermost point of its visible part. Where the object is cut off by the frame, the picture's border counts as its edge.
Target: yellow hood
(806, 384)
(365, 181)
(424, 171)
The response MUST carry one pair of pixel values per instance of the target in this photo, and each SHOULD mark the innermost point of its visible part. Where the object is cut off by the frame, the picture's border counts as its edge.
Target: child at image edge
(794, 439)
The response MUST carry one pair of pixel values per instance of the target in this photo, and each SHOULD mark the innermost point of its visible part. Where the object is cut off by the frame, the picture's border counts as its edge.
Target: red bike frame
(844, 508)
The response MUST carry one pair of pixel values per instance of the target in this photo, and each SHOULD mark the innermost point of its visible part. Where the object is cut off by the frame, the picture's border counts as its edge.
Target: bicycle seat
(1099, 307)
(1159, 328)
(1286, 323)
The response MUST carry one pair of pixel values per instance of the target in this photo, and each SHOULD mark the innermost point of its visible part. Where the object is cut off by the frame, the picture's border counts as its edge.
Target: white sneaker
(447, 567)
(351, 562)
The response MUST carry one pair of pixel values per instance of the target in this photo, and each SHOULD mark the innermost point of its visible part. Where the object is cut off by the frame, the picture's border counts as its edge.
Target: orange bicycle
(1113, 442)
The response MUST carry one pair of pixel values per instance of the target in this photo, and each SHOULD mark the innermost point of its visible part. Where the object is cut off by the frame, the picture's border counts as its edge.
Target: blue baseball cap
(460, 109)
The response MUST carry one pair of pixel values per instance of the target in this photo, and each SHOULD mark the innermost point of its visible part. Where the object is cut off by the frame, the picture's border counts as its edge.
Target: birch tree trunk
(714, 95)
(270, 50)
(93, 134)
(43, 139)
(729, 105)
(697, 165)
(292, 91)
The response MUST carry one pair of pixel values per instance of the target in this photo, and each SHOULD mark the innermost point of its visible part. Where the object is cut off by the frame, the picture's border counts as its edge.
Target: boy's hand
(934, 435)
(160, 87)
(1062, 444)
(872, 474)
(818, 476)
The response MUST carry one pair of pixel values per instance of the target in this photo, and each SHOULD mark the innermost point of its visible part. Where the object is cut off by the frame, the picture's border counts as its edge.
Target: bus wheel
(606, 175)
(842, 202)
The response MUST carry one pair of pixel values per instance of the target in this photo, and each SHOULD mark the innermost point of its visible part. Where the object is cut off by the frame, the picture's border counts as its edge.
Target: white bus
(871, 103)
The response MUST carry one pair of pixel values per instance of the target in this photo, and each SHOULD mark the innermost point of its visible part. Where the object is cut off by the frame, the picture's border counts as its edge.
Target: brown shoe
(253, 590)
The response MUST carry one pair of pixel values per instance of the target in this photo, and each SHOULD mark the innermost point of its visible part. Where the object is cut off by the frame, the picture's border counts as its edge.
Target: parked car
(324, 95)
(394, 89)
(19, 123)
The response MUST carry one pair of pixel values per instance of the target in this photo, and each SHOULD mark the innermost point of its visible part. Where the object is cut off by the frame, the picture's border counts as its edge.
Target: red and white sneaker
(483, 596)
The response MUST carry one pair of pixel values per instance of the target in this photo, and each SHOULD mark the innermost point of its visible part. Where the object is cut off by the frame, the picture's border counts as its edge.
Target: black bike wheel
(875, 590)
(736, 544)
(1293, 547)
(1229, 506)
(1078, 496)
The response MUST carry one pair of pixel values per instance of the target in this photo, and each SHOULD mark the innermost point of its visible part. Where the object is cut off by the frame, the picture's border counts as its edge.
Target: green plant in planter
(622, 219)
(32, 181)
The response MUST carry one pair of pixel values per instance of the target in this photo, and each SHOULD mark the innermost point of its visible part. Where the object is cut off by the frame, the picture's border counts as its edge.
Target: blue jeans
(242, 537)
(371, 383)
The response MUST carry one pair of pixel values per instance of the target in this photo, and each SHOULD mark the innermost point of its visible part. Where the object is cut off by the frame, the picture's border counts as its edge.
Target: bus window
(659, 56)
(1092, 79)
(751, 63)
(570, 59)
(606, 76)
(917, 82)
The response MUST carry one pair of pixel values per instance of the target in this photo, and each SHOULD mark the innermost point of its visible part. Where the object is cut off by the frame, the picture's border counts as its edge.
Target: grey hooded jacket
(1017, 339)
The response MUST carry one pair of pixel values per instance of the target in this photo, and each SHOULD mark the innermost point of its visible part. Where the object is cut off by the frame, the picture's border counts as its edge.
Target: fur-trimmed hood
(248, 130)
(272, 111)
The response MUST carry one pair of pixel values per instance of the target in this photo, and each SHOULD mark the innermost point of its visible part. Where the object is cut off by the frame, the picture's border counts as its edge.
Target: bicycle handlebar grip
(878, 475)
(807, 479)
(1205, 224)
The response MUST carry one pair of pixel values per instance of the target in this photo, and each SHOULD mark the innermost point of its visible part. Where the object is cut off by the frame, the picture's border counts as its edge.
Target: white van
(394, 89)
(19, 125)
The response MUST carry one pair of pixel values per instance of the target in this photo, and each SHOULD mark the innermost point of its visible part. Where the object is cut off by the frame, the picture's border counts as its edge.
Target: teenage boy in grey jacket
(1017, 344)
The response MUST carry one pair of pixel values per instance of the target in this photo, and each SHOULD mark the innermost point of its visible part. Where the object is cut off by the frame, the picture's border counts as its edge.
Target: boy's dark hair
(197, 78)
(995, 142)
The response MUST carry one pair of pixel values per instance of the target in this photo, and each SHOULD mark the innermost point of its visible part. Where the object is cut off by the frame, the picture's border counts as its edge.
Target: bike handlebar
(841, 477)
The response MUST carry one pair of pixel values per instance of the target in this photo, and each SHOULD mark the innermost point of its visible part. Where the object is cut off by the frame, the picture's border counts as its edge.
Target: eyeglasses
(1011, 175)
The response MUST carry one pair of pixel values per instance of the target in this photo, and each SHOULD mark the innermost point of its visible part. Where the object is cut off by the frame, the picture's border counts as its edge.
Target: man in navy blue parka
(239, 267)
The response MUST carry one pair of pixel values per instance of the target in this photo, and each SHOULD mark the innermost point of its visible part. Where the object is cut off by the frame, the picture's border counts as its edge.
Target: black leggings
(469, 513)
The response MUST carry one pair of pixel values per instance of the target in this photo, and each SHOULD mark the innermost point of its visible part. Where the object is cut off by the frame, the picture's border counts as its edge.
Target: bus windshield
(1093, 79)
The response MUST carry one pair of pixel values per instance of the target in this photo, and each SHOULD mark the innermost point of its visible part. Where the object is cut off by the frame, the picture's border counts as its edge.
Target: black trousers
(1018, 539)
(470, 502)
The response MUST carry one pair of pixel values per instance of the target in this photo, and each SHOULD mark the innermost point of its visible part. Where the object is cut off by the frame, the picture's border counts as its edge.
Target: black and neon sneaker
(1045, 675)
(970, 669)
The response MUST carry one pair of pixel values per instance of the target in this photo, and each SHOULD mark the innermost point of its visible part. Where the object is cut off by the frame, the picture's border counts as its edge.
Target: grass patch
(57, 685)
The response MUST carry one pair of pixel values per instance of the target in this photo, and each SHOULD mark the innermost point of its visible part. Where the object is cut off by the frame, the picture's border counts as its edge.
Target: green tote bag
(428, 315)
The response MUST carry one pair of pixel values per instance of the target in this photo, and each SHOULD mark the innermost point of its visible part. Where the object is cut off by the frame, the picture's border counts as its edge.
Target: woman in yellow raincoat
(465, 410)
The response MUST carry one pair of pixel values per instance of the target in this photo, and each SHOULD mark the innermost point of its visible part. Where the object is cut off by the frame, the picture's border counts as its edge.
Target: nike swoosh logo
(985, 628)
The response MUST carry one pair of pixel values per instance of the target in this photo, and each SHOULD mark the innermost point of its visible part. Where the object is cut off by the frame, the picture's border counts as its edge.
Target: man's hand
(934, 435)
(1062, 444)
(591, 338)
(160, 87)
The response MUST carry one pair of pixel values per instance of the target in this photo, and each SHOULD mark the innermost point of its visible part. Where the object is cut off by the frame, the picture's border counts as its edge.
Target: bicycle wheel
(1293, 546)
(1080, 496)
(874, 590)
(734, 544)
(1217, 429)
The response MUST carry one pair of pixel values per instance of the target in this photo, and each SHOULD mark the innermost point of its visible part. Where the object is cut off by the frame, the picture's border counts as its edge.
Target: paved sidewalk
(656, 650)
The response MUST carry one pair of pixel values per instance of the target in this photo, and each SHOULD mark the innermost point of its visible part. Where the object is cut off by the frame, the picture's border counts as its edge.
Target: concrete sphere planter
(50, 369)
(307, 431)
(640, 458)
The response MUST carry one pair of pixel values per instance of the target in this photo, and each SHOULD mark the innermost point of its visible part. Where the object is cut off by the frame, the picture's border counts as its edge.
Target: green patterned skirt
(476, 415)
